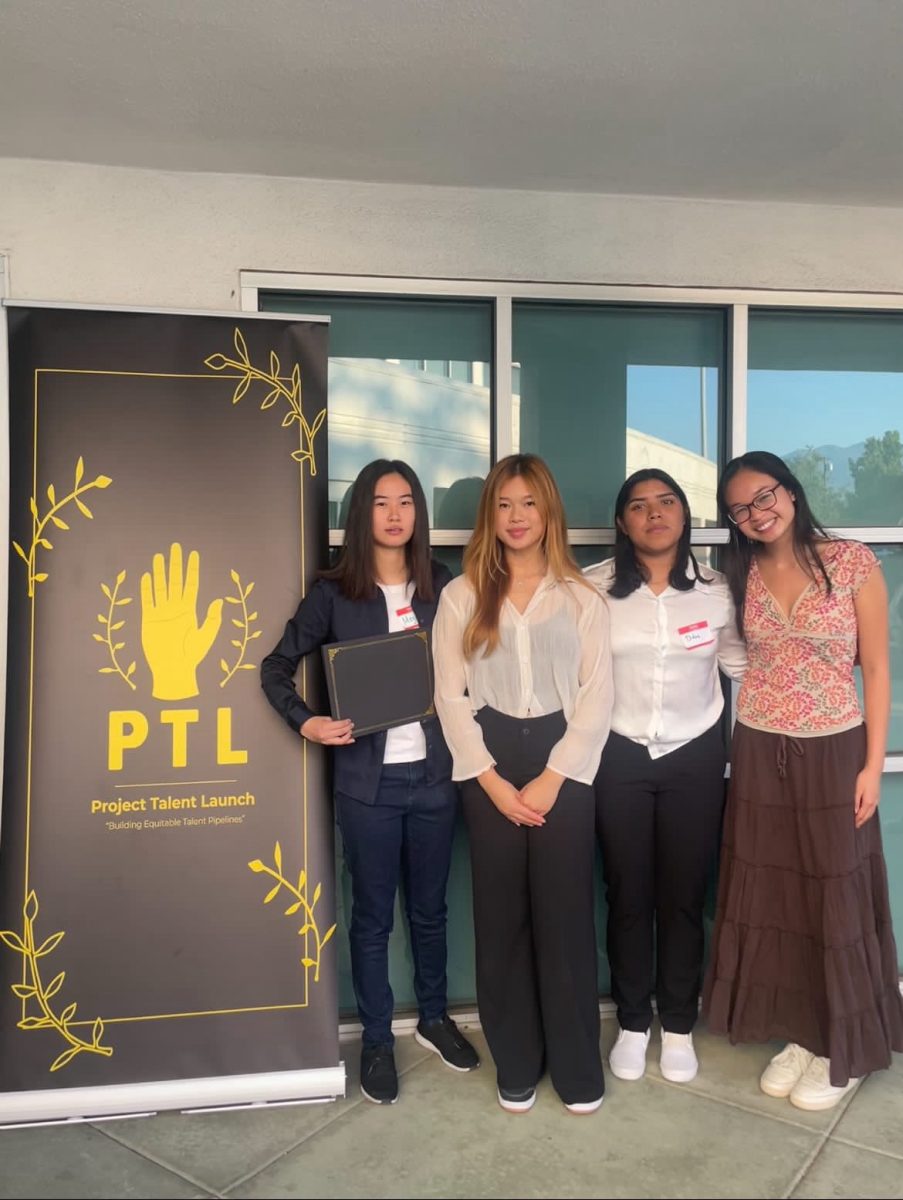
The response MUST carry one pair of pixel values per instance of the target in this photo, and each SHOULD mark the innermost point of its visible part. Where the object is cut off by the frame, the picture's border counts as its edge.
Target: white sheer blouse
(554, 656)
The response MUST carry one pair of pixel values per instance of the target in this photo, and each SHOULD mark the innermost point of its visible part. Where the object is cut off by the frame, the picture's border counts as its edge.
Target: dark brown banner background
(167, 936)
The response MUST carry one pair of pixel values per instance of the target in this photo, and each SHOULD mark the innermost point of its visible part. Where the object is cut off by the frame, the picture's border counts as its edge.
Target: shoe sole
(373, 1099)
(631, 1075)
(428, 1045)
(820, 1105)
(684, 1076)
(517, 1106)
(775, 1090)
(584, 1110)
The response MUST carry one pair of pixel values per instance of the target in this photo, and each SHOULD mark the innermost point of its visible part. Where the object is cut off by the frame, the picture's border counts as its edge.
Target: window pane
(707, 556)
(587, 556)
(892, 564)
(408, 379)
(591, 556)
(891, 810)
(451, 556)
(602, 391)
(826, 393)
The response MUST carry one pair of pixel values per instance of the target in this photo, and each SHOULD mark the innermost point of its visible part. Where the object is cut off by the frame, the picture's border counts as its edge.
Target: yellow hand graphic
(173, 644)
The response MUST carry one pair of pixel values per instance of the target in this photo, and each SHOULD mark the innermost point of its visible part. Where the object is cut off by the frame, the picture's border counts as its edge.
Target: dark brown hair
(355, 568)
(807, 532)
(629, 574)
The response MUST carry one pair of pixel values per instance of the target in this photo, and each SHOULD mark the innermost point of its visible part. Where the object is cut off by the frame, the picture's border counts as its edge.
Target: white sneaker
(785, 1071)
(628, 1055)
(678, 1062)
(589, 1106)
(814, 1092)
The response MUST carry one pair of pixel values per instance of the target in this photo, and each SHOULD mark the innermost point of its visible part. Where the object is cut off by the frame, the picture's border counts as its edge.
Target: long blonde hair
(484, 558)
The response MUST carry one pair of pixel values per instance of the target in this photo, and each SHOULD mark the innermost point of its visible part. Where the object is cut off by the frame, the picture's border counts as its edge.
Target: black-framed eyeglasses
(765, 500)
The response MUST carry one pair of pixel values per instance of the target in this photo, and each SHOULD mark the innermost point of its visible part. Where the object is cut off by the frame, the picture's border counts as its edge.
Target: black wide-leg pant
(658, 822)
(533, 919)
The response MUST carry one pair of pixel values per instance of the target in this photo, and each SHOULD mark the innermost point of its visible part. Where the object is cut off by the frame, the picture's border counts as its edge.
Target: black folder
(380, 682)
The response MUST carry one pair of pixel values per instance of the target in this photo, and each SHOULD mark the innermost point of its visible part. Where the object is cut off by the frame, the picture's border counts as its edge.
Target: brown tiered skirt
(803, 948)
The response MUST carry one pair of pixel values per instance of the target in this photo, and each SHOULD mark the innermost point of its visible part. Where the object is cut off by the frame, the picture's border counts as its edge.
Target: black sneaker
(517, 1100)
(379, 1079)
(444, 1038)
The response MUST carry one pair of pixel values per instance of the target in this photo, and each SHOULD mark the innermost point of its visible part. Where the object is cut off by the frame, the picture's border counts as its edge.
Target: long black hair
(629, 573)
(354, 569)
(807, 531)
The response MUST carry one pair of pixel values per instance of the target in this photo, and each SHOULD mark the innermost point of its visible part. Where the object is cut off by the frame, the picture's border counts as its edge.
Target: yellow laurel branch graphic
(112, 627)
(244, 625)
(40, 523)
(39, 992)
(300, 902)
(289, 390)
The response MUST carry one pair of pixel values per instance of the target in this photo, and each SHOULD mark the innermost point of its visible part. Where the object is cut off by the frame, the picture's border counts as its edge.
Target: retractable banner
(166, 867)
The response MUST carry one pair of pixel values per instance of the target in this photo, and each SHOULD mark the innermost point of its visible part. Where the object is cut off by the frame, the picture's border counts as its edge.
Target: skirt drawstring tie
(785, 741)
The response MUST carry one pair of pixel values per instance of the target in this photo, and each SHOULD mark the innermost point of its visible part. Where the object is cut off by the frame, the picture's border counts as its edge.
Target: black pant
(533, 919)
(658, 822)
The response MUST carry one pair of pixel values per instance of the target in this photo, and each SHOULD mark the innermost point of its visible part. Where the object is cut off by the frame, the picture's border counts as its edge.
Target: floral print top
(800, 676)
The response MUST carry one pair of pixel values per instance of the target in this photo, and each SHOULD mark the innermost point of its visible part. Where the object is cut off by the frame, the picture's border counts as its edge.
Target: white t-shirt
(404, 743)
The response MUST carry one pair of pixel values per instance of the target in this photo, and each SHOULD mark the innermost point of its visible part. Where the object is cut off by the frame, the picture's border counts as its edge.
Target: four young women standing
(523, 649)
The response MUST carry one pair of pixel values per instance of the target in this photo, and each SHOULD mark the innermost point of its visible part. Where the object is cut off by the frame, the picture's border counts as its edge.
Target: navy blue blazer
(325, 615)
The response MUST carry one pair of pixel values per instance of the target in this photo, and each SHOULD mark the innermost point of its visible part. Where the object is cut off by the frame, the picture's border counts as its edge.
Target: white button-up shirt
(553, 657)
(666, 652)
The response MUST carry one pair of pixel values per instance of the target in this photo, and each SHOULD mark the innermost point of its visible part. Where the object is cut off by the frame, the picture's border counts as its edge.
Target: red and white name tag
(696, 635)
(408, 618)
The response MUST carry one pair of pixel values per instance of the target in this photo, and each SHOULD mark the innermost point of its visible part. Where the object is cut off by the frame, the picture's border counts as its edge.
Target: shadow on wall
(458, 507)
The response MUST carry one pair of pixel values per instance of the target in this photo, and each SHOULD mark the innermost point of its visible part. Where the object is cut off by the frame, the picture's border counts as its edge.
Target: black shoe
(444, 1038)
(517, 1100)
(379, 1079)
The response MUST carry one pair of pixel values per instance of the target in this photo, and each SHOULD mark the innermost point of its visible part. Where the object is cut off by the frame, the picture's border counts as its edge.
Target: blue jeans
(406, 836)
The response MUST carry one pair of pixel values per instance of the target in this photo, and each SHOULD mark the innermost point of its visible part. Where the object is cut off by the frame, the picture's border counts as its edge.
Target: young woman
(803, 946)
(523, 690)
(660, 786)
(394, 799)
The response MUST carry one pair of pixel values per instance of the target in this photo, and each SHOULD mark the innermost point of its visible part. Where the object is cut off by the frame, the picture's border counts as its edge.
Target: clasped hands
(527, 805)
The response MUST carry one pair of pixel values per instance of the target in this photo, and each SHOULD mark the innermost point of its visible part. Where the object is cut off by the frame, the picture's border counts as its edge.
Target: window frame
(735, 303)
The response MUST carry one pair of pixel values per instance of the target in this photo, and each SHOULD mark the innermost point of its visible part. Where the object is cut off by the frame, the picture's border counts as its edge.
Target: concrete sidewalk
(447, 1137)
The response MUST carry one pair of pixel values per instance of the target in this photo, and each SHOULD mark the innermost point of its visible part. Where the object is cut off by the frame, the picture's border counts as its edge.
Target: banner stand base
(218, 1093)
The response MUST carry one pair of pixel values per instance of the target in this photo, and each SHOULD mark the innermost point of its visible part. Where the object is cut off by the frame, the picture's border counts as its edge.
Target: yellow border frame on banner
(214, 378)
